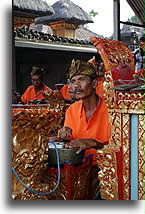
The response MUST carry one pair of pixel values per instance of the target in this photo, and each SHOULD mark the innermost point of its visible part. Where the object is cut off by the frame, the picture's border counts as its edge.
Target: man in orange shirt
(67, 91)
(34, 92)
(87, 118)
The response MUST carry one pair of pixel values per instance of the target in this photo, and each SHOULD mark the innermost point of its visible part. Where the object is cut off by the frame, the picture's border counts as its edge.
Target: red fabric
(122, 72)
(65, 93)
(97, 127)
(119, 157)
(140, 73)
(30, 94)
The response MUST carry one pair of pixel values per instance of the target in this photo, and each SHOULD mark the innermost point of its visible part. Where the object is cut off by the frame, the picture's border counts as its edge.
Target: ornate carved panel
(108, 174)
(126, 155)
(141, 160)
(115, 121)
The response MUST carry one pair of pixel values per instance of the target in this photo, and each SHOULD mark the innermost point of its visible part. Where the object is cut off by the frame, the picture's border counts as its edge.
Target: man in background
(35, 91)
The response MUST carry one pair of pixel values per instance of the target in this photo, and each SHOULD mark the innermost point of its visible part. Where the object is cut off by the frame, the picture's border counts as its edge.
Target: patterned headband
(79, 67)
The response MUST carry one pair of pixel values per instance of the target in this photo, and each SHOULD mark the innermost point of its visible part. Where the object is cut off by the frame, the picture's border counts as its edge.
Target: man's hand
(84, 144)
(64, 133)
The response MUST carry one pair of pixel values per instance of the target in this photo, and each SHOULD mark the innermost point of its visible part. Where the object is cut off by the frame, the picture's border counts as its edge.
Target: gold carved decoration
(115, 121)
(31, 129)
(125, 132)
(106, 159)
(109, 95)
(29, 153)
(121, 104)
(131, 102)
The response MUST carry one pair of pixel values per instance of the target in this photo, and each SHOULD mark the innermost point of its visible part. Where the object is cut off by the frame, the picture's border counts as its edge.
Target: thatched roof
(34, 8)
(67, 11)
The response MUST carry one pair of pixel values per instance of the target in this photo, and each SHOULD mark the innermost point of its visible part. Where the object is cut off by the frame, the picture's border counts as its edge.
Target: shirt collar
(81, 109)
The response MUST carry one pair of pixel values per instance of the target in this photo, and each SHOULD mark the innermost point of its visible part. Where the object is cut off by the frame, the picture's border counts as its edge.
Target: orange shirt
(97, 127)
(30, 94)
(65, 93)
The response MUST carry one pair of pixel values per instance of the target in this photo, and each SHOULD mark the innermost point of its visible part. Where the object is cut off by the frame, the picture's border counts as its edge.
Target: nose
(77, 83)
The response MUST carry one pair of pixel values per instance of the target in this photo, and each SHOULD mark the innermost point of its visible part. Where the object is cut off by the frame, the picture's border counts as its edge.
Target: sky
(103, 22)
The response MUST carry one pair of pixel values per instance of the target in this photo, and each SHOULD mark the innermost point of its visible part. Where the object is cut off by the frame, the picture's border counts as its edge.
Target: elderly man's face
(37, 81)
(82, 86)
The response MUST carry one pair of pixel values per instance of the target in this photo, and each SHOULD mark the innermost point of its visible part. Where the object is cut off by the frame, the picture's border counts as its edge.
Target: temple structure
(25, 12)
(68, 17)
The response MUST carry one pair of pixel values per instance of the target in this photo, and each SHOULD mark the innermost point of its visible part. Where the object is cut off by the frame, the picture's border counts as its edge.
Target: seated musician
(35, 91)
(86, 121)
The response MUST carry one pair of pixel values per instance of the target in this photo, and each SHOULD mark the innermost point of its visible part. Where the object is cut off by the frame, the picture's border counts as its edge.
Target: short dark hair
(37, 71)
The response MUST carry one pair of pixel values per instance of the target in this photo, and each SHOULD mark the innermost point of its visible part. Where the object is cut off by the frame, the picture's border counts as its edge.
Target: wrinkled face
(37, 81)
(82, 86)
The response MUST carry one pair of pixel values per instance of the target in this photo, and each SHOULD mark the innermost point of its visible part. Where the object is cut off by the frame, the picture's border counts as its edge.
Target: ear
(95, 83)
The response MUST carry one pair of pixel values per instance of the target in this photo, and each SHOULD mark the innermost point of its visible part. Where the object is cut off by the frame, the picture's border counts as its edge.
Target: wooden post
(116, 18)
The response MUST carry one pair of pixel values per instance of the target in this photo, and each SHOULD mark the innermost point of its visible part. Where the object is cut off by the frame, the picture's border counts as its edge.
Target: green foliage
(93, 13)
(133, 19)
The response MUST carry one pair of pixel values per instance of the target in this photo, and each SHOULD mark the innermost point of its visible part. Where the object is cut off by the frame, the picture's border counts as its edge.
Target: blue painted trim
(134, 156)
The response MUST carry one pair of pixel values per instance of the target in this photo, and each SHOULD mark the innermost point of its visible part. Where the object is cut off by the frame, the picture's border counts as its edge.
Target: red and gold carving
(19, 21)
(131, 102)
(113, 53)
(63, 24)
(121, 104)
(75, 182)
